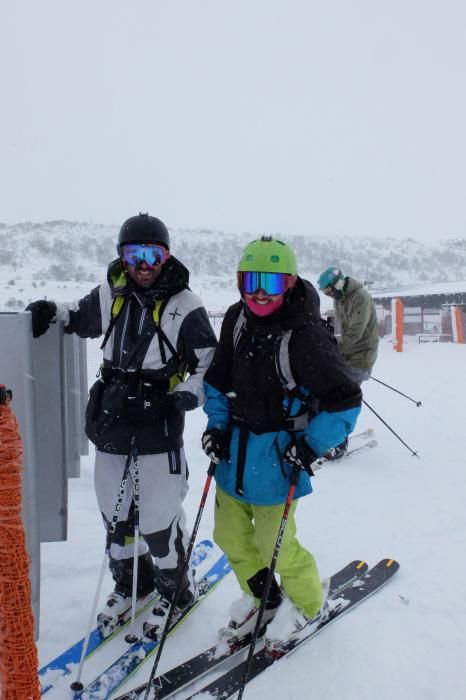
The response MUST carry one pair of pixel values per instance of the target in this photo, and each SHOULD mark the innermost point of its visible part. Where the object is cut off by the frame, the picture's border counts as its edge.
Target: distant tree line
(70, 251)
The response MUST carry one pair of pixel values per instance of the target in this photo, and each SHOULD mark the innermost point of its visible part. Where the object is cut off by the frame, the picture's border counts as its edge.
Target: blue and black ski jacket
(249, 392)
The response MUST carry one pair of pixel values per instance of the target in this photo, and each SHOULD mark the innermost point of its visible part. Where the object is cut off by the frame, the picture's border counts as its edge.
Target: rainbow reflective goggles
(152, 254)
(271, 282)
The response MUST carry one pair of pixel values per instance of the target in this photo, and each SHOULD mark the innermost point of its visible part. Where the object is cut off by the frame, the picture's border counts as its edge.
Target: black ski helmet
(143, 229)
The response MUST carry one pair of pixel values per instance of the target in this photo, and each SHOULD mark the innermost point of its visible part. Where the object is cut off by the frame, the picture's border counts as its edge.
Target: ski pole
(131, 637)
(413, 453)
(77, 685)
(270, 576)
(166, 629)
(418, 403)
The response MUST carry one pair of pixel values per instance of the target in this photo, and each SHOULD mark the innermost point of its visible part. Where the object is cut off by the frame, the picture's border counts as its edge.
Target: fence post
(457, 324)
(397, 325)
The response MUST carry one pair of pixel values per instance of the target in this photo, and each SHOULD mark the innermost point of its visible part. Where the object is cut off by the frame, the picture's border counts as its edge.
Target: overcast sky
(295, 116)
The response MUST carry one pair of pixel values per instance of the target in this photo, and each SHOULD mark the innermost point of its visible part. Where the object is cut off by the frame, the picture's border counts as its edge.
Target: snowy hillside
(407, 642)
(58, 258)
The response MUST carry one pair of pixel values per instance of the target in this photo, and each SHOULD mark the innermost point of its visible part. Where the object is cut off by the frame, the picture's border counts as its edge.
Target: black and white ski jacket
(171, 355)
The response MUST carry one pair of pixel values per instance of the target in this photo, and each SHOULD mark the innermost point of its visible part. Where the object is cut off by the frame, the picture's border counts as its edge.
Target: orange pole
(18, 652)
(457, 324)
(397, 325)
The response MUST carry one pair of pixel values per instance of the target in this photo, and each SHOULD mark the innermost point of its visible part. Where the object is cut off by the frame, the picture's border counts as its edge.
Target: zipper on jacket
(141, 320)
(123, 334)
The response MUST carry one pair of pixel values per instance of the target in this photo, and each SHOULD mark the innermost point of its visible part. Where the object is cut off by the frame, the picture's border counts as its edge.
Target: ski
(349, 598)
(370, 432)
(192, 670)
(120, 670)
(352, 449)
(63, 663)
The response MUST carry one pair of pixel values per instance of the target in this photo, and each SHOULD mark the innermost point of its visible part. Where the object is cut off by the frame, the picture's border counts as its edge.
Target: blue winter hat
(329, 277)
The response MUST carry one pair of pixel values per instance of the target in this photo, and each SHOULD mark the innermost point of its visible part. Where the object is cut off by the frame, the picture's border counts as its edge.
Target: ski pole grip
(295, 476)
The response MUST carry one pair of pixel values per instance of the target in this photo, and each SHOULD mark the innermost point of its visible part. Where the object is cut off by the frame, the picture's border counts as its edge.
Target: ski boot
(154, 626)
(117, 611)
(337, 452)
(291, 625)
(243, 618)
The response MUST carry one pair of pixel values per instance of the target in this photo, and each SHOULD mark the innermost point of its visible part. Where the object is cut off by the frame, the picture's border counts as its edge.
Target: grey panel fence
(48, 377)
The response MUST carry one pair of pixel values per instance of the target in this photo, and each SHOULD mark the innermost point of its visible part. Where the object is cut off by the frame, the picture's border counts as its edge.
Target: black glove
(42, 313)
(148, 410)
(216, 444)
(299, 454)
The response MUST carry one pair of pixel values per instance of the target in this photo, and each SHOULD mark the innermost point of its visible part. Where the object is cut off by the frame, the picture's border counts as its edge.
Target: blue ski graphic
(115, 675)
(60, 666)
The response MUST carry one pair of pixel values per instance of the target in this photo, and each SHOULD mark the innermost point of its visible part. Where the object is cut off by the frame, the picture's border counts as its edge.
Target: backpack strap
(283, 367)
(117, 306)
(282, 362)
(239, 328)
(159, 307)
(182, 372)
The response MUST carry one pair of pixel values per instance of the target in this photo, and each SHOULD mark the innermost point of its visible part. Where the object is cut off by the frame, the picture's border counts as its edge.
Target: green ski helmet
(268, 255)
(267, 264)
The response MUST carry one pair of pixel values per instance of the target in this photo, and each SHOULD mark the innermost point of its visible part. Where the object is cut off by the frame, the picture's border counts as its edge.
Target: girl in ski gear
(278, 394)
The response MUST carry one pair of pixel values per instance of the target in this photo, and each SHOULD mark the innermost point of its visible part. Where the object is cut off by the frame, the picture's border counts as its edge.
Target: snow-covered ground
(406, 642)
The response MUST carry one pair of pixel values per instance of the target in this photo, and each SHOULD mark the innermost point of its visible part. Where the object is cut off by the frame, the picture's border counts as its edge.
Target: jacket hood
(351, 285)
(300, 308)
(173, 279)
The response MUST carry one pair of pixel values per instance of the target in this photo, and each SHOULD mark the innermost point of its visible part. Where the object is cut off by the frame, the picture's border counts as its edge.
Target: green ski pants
(248, 533)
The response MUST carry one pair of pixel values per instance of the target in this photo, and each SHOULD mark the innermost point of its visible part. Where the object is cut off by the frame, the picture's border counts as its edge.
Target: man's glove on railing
(42, 313)
(299, 454)
(216, 444)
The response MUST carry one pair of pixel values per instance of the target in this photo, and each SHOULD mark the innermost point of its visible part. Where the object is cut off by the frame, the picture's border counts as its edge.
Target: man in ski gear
(158, 343)
(355, 310)
(278, 395)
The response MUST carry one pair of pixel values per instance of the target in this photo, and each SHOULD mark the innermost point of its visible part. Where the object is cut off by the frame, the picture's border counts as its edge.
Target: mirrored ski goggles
(151, 254)
(271, 282)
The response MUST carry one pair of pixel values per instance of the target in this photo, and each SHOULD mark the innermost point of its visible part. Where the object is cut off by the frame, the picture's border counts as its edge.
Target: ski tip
(371, 431)
(372, 443)
(361, 564)
(390, 564)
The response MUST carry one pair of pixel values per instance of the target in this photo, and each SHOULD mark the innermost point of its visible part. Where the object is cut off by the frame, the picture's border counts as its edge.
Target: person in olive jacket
(355, 310)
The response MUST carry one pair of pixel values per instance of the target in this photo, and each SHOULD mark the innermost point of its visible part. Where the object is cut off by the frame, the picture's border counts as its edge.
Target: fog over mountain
(77, 253)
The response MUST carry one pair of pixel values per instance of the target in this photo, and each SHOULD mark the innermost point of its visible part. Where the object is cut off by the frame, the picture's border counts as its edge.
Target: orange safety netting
(18, 652)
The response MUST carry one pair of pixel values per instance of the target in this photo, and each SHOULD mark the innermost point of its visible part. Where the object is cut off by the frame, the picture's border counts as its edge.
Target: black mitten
(299, 454)
(216, 444)
(42, 313)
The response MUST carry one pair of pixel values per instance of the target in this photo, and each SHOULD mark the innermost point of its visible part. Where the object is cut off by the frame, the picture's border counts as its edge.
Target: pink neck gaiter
(264, 309)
